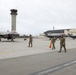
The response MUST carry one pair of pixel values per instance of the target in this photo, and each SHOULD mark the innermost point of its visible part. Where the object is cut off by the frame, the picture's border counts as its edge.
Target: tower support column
(13, 17)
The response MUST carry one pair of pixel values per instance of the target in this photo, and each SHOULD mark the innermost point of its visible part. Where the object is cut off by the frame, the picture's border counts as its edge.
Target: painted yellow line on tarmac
(3, 52)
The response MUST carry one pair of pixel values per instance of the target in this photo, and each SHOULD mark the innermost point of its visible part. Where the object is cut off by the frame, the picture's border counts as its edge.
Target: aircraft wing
(57, 35)
(3, 33)
(8, 34)
(13, 33)
(72, 36)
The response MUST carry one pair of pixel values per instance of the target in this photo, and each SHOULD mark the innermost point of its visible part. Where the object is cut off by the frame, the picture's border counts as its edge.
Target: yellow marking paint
(3, 52)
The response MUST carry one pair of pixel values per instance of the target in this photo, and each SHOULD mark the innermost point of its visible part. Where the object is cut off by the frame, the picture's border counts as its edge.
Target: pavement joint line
(53, 69)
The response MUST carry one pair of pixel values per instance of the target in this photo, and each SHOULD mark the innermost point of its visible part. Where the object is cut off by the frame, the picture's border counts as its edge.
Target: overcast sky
(37, 16)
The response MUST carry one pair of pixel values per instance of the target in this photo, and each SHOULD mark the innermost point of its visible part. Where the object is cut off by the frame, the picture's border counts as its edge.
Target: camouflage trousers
(62, 46)
(30, 44)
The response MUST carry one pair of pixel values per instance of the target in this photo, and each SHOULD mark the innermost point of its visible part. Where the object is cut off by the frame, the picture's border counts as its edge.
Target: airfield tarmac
(16, 58)
(20, 47)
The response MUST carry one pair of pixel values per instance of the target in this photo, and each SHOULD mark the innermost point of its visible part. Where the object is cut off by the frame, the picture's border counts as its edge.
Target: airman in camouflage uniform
(30, 41)
(53, 42)
(62, 43)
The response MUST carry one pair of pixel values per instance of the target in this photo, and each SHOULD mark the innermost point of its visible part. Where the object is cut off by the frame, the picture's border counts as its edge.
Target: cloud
(37, 16)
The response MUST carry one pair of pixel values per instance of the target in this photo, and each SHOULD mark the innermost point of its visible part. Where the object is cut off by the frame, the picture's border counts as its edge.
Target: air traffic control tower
(13, 19)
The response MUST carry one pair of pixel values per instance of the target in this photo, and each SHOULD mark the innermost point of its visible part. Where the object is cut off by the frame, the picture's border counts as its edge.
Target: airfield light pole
(13, 17)
(53, 28)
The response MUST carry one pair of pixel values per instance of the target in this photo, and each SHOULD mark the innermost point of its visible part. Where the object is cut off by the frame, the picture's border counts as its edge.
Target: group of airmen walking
(52, 43)
(62, 43)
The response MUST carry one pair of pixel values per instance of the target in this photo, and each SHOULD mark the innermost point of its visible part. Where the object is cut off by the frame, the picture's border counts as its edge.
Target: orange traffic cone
(50, 46)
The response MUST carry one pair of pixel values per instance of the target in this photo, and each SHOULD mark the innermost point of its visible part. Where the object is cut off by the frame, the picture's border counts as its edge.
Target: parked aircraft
(72, 36)
(9, 35)
(58, 33)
